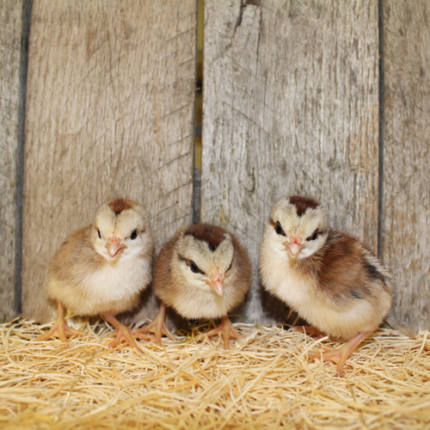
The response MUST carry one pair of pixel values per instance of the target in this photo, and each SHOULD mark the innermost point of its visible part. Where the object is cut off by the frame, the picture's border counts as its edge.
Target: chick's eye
(314, 236)
(133, 234)
(98, 232)
(194, 268)
(279, 230)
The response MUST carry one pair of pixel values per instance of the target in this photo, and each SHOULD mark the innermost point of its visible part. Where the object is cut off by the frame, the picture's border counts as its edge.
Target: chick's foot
(342, 354)
(60, 328)
(122, 332)
(227, 331)
(157, 326)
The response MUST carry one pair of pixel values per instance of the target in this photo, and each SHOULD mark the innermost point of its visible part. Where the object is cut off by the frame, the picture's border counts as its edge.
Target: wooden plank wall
(290, 107)
(406, 210)
(110, 107)
(10, 55)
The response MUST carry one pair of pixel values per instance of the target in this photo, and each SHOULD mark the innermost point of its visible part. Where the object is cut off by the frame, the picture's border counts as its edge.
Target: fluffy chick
(102, 269)
(331, 279)
(201, 272)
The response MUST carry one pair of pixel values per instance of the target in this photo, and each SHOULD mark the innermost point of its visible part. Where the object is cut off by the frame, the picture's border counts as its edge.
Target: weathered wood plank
(290, 106)
(110, 113)
(10, 54)
(406, 209)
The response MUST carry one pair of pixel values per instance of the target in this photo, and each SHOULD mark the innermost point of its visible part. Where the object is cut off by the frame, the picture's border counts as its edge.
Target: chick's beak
(216, 281)
(294, 245)
(114, 246)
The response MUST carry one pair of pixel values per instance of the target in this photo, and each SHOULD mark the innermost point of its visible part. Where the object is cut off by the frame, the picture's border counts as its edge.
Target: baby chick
(201, 272)
(331, 279)
(102, 269)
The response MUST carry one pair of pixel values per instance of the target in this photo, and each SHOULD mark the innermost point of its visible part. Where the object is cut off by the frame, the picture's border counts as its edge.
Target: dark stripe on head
(302, 204)
(119, 205)
(210, 234)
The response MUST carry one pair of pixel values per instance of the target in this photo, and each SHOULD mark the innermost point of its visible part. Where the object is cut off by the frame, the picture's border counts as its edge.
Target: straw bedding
(264, 381)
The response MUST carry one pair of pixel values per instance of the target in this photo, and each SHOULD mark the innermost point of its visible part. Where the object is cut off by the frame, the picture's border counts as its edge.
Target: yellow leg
(342, 354)
(60, 328)
(227, 330)
(122, 332)
(157, 326)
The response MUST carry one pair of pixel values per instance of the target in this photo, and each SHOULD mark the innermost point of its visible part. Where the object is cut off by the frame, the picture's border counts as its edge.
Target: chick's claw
(142, 336)
(339, 356)
(122, 333)
(227, 331)
(157, 326)
(60, 328)
(122, 336)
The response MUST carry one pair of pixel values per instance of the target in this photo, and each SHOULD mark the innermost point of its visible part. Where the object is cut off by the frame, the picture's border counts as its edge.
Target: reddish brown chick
(201, 272)
(331, 279)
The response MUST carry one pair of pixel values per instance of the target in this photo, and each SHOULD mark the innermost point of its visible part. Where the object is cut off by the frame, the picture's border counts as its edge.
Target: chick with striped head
(102, 269)
(201, 272)
(329, 278)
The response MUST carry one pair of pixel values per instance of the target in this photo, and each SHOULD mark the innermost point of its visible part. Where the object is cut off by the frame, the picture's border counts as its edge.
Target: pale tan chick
(103, 268)
(201, 272)
(331, 279)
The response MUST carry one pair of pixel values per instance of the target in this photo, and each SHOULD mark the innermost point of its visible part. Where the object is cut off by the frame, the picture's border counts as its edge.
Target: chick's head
(205, 256)
(121, 230)
(299, 227)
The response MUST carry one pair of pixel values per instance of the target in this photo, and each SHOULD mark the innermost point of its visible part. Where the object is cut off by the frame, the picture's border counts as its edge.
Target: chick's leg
(227, 330)
(342, 354)
(121, 331)
(157, 326)
(60, 327)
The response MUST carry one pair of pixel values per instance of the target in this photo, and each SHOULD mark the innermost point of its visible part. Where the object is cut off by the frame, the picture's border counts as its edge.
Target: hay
(264, 381)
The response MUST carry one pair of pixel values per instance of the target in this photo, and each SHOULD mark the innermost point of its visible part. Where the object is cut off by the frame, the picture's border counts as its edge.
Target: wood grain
(406, 204)
(110, 108)
(290, 106)
(10, 52)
